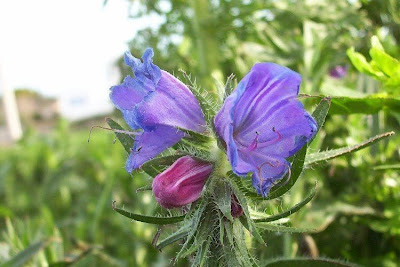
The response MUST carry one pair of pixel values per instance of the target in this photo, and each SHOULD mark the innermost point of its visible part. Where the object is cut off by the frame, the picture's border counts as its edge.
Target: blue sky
(66, 49)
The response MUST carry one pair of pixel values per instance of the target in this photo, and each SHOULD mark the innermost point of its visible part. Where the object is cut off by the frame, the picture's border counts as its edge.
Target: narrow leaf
(25, 255)
(149, 219)
(363, 105)
(289, 212)
(330, 154)
(307, 262)
(283, 229)
(172, 239)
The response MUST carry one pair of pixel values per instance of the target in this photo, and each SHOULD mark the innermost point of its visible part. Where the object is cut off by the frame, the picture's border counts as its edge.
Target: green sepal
(125, 139)
(223, 198)
(320, 113)
(285, 185)
(149, 219)
(158, 165)
(229, 87)
(195, 137)
(290, 211)
(333, 153)
(205, 99)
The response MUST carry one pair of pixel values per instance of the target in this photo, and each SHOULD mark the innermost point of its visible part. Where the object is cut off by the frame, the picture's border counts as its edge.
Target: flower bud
(236, 208)
(181, 183)
(338, 72)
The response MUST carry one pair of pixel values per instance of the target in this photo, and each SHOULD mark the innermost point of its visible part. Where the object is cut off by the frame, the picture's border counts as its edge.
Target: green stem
(287, 245)
(206, 45)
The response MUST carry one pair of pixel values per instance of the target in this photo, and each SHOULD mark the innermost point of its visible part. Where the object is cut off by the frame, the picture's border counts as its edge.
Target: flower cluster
(261, 124)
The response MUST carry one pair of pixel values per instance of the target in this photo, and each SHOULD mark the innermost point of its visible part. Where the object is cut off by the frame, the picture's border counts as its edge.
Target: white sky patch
(66, 49)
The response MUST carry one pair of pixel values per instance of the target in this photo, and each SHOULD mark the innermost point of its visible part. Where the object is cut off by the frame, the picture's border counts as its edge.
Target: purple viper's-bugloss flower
(338, 72)
(155, 102)
(181, 183)
(263, 123)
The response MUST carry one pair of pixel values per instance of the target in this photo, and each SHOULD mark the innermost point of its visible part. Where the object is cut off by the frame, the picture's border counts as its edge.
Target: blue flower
(263, 123)
(156, 102)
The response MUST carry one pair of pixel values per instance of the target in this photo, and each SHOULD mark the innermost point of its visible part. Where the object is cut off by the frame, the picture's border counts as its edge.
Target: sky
(66, 49)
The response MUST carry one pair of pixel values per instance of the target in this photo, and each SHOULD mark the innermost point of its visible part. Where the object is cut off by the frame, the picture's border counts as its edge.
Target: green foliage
(300, 262)
(149, 219)
(331, 154)
(24, 256)
(382, 66)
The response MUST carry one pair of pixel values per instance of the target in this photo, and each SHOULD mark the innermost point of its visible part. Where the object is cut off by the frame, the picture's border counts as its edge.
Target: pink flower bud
(181, 183)
(236, 208)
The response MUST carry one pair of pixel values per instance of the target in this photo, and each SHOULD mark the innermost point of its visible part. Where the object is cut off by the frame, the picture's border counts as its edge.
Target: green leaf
(149, 219)
(222, 197)
(364, 105)
(330, 154)
(308, 262)
(25, 255)
(193, 221)
(178, 235)
(158, 165)
(383, 61)
(283, 229)
(289, 212)
(201, 257)
(361, 64)
(125, 139)
(70, 260)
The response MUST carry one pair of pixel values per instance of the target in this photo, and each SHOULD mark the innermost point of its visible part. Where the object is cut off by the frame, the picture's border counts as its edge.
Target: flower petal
(182, 183)
(156, 102)
(268, 172)
(262, 122)
(151, 143)
(173, 104)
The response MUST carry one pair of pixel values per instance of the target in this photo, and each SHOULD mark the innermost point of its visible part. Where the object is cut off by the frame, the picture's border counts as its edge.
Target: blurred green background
(57, 189)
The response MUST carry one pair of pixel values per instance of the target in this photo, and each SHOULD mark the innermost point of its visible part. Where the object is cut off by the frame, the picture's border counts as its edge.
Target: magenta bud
(236, 208)
(181, 183)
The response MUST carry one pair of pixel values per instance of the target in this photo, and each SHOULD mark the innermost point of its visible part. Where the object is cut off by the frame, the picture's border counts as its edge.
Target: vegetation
(56, 191)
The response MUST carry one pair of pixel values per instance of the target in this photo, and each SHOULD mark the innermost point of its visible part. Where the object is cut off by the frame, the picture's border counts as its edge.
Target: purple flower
(338, 72)
(155, 102)
(263, 123)
(181, 183)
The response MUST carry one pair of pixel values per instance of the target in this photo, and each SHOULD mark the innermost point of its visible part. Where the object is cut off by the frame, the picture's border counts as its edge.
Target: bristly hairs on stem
(129, 133)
